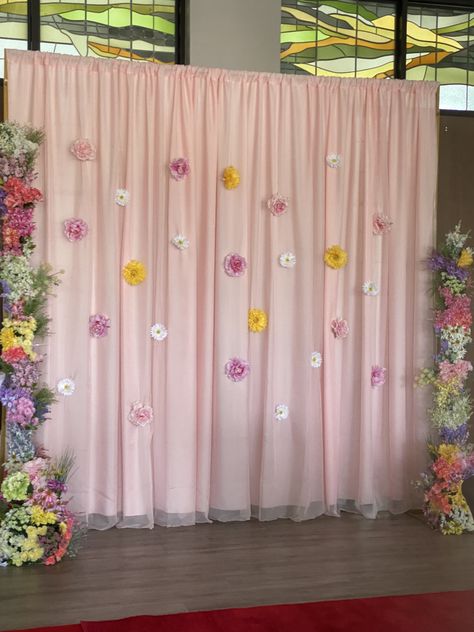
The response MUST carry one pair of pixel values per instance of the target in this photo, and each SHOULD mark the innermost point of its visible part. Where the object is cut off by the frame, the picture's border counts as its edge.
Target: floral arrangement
(134, 272)
(35, 524)
(452, 457)
(335, 257)
(231, 178)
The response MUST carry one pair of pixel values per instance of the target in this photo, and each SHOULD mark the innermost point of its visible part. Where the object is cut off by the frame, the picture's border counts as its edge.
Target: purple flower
(457, 435)
(377, 376)
(75, 229)
(56, 486)
(98, 325)
(3, 195)
(26, 374)
(234, 264)
(179, 168)
(237, 369)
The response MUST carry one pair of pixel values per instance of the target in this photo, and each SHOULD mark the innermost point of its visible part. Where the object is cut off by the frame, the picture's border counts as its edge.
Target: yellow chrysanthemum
(40, 517)
(257, 319)
(448, 452)
(335, 257)
(465, 258)
(134, 272)
(7, 338)
(231, 177)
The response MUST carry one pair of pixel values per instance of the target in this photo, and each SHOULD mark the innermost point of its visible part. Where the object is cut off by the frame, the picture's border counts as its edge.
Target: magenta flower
(75, 229)
(140, 415)
(83, 149)
(98, 325)
(381, 224)
(278, 204)
(179, 168)
(377, 376)
(340, 328)
(234, 264)
(237, 369)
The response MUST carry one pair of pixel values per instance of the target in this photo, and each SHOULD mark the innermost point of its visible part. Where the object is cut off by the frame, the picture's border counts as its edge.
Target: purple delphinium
(56, 486)
(439, 263)
(25, 374)
(457, 435)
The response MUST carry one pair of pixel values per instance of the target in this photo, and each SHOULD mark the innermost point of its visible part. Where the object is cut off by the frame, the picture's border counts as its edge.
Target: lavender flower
(457, 435)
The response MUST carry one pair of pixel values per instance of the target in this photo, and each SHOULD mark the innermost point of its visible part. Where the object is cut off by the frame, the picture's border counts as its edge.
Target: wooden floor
(128, 572)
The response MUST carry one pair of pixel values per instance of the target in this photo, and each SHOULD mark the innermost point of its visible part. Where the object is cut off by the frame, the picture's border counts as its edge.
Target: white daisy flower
(180, 242)
(158, 332)
(316, 359)
(370, 288)
(122, 196)
(66, 386)
(281, 412)
(287, 260)
(333, 160)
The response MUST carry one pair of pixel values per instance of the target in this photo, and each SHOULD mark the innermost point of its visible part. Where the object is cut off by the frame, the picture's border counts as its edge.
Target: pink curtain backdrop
(214, 449)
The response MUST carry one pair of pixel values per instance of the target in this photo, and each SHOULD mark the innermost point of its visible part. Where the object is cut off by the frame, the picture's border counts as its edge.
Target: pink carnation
(179, 168)
(15, 354)
(75, 229)
(381, 224)
(235, 265)
(278, 204)
(83, 149)
(98, 325)
(377, 376)
(140, 415)
(237, 369)
(340, 328)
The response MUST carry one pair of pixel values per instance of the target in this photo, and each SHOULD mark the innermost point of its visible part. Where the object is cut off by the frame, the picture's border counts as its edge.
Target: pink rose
(237, 369)
(98, 325)
(234, 264)
(340, 328)
(75, 229)
(140, 415)
(278, 204)
(381, 224)
(179, 168)
(83, 149)
(377, 376)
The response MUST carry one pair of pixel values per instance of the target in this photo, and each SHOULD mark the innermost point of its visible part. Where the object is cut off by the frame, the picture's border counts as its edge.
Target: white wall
(235, 34)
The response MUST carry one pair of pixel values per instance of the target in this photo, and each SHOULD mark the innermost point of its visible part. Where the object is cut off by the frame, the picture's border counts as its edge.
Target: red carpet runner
(434, 612)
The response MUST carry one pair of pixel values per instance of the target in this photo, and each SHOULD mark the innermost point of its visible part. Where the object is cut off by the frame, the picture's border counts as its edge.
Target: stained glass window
(13, 27)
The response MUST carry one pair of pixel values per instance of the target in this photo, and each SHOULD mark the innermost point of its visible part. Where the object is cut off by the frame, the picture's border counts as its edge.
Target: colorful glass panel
(13, 27)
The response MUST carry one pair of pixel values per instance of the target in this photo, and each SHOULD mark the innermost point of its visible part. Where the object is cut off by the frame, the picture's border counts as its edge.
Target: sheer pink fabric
(214, 449)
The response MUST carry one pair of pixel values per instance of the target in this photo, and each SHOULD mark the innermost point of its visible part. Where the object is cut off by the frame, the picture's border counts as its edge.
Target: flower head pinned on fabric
(83, 149)
(381, 224)
(281, 412)
(122, 197)
(231, 178)
(257, 320)
(334, 161)
(287, 260)
(235, 265)
(75, 229)
(65, 386)
(465, 258)
(335, 257)
(98, 325)
(158, 332)
(370, 288)
(316, 359)
(134, 272)
(179, 168)
(377, 375)
(278, 204)
(340, 328)
(140, 415)
(237, 369)
(180, 242)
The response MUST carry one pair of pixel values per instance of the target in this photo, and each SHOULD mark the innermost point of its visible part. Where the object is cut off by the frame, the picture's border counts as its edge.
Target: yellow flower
(134, 272)
(39, 516)
(63, 527)
(465, 258)
(7, 338)
(448, 452)
(257, 319)
(335, 257)
(231, 177)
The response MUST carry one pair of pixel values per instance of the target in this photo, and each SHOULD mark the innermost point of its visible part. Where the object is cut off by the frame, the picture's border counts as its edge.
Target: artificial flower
(335, 257)
(377, 375)
(75, 229)
(180, 242)
(281, 412)
(134, 272)
(66, 386)
(237, 369)
(316, 359)
(287, 260)
(278, 204)
(140, 415)
(339, 328)
(122, 197)
(98, 325)
(158, 332)
(231, 178)
(83, 149)
(15, 486)
(381, 224)
(234, 264)
(465, 258)
(257, 320)
(179, 168)
(370, 288)
(333, 160)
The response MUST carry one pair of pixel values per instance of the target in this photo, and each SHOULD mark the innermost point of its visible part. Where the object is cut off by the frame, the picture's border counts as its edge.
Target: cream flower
(65, 386)
(287, 260)
(370, 288)
(158, 332)
(281, 412)
(333, 160)
(180, 242)
(316, 359)
(122, 197)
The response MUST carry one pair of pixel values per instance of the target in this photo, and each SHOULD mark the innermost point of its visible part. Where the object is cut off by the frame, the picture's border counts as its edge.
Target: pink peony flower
(377, 376)
(140, 415)
(340, 328)
(98, 325)
(83, 149)
(381, 224)
(278, 204)
(179, 168)
(75, 229)
(234, 264)
(237, 369)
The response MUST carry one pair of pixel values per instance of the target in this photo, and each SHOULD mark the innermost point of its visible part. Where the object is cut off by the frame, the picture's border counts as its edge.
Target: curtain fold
(214, 450)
